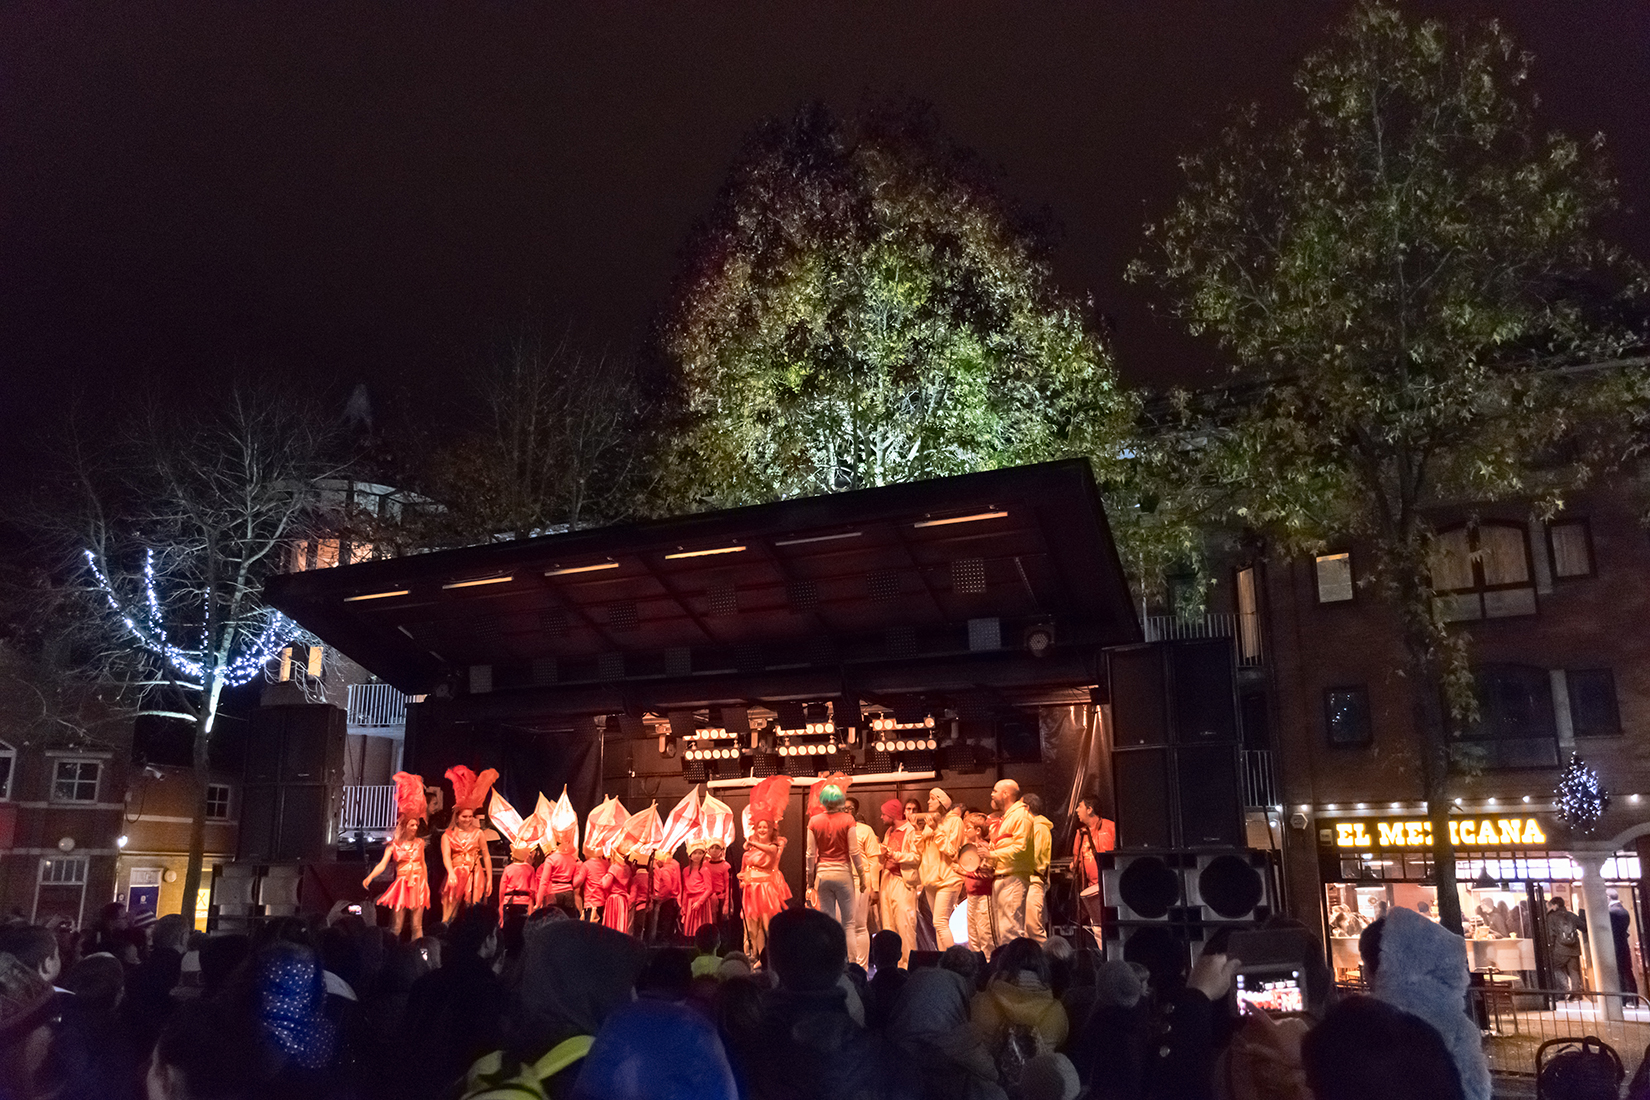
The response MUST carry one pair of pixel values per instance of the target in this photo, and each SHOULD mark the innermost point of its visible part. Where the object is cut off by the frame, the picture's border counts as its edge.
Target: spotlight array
(711, 754)
(921, 735)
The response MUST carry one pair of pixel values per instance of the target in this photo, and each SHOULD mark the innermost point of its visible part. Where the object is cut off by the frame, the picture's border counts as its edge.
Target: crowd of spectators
(550, 1006)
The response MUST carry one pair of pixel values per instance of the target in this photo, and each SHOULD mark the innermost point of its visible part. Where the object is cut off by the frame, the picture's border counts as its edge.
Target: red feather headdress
(469, 789)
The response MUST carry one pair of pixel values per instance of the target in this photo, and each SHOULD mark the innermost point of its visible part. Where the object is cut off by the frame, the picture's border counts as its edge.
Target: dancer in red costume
(409, 895)
(764, 890)
(900, 879)
(664, 915)
(463, 849)
(616, 904)
(698, 896)
(561, 877)
(601, 833)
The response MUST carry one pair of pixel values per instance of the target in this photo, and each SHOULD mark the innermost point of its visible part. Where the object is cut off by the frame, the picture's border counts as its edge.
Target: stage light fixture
(570, 570)
(477, 583)
(948, 520)
(376, 596)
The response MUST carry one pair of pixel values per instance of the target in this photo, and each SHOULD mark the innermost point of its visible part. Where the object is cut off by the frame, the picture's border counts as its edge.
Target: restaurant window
(1346, 716)
(75, 781)
(1516, 725)
(1570, 541)
(217, 801)
(1593, 711)
(1482, 571)
(1334, 575)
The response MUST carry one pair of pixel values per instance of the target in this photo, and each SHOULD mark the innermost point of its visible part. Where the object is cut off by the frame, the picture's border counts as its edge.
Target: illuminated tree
(178, 530)
(863, 308)
(1408, 277)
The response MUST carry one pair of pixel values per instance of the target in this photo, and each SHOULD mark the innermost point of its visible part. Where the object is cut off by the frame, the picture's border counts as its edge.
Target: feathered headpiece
(469, 789)
(835, 779)
(715, 823)
(768, 800)
(641, 834)
(683, 821)
(519, 831)
(409, 796)
(602, 827)
(563, 821)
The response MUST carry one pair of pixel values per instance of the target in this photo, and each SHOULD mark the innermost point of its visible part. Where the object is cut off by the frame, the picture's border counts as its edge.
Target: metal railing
(376, 705)
(1260, 780)
(367, 810)
(1244, 629)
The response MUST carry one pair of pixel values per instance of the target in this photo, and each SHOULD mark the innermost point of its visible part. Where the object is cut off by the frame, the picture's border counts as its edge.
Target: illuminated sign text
(1489, 832)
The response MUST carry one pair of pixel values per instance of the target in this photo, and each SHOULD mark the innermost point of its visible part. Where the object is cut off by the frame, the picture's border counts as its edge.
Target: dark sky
(349, 191)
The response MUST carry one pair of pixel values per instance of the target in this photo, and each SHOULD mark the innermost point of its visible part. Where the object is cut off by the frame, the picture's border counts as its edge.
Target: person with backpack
(1018, 1017)
(1564, 935)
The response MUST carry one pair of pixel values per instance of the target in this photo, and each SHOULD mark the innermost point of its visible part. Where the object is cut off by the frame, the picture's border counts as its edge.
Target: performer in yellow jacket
(1042, 847)
(938, 844)
(1013, 856)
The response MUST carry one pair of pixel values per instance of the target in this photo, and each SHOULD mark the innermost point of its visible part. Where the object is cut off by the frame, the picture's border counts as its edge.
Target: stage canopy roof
(1004, 582)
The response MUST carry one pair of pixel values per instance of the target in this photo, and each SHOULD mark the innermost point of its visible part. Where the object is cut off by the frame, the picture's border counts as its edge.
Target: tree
(178, 532)
(1408, 277)
(561, 446)
(861, 308)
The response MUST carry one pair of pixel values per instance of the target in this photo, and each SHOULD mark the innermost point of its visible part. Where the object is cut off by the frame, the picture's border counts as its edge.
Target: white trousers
(1008, 902)
(979, 925)
(941, 903)
(899, 914)
(1036, 926)
(859, 931)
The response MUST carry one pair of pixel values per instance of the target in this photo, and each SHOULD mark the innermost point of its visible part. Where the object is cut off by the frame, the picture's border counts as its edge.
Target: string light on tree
(1580, 800)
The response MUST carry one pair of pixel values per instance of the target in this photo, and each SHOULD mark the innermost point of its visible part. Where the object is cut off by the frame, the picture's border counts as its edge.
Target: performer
(518, 885)
(899, 878)
(617, 906)
(561, 878)
(601, 831)
(1042, 854)
(1097, 834)
(721, 883)
(977, 883)
(870, 855)
(1013, 857)
(665, 914)
(764, 888)
(836, 876)
(409, 895)
(463, 851)
(697, 897)
(938, 844)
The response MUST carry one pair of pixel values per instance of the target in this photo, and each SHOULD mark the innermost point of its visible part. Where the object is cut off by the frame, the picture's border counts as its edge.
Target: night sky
(352, 192)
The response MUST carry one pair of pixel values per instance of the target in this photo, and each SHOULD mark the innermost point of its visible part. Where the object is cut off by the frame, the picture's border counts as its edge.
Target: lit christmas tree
(1580, 800)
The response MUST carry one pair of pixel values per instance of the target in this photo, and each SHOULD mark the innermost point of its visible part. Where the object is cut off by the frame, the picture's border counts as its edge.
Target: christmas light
(1580, 799)
(149, 628)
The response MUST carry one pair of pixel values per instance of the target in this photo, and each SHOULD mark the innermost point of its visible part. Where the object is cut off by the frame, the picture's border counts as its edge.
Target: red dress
(561, 874)
(718, 872)
(616, 907)
(466, 883)
(411, 888)
(698, 898)
(765, 889)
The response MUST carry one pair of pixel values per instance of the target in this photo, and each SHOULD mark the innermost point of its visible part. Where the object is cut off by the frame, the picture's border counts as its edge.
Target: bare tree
(178, 535)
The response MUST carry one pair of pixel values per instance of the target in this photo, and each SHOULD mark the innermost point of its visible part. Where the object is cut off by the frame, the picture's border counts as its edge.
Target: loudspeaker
(1203, 692)
(1139, 695)
(294, 773)
(1208, 796)
(1141, 794)
(1163, 905)
(1231, 886)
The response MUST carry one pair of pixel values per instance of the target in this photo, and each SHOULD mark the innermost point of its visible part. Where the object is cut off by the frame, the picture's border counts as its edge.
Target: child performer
(562, 878)
(663, 918)
(617, 905)
(698, 896)
(764, 888)
(463, 850)
(519, 884)
(978, 876)
(409, 895)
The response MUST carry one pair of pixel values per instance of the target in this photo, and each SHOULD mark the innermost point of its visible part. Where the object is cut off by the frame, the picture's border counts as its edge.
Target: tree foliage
(861, 308)
(1409, 277)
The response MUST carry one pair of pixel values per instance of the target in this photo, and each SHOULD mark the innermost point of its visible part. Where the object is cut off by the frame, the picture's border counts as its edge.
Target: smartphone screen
(1276, 991)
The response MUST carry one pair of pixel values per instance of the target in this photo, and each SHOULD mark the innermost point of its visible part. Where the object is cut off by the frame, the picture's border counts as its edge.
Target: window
(1593, 710)
(1571, 544)
(1248, 609)
(217, 802)
(75, 781)
(63, 872)
(1346, 716)
(317, 654)
(8, 763)
(1482, 572)
(1516, 726)
(1334, 577)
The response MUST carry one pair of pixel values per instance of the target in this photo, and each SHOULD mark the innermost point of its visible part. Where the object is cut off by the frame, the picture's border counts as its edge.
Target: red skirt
(765, 897)
(407, 892)
(697, 913)
(616, 912)
(464, 885)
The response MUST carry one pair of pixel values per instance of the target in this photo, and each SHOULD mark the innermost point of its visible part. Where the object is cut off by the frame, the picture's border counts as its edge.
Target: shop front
(1508, 868)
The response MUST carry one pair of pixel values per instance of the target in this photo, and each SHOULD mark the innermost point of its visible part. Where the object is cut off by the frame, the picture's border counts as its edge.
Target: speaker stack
(294, 780)
(1180, 871)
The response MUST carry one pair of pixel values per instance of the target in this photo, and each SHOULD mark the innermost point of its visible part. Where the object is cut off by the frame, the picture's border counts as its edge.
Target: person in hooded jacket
(929, 1029)
(1421, 968)
(1019, 996)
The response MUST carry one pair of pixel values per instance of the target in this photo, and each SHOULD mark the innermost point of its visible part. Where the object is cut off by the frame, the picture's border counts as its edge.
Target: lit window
(1593, 711)
(1571, 543)
(1346, 716)
(316, 655)
(63, 872)
(75, 781)
(1334, 578)
(8, 760)
(326, 553)
(217, 801)
(1482, 572)
(1248, 608)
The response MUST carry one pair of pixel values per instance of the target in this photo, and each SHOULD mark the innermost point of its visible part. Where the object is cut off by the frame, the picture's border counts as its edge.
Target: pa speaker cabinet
(1142, 886)
(1231, 886)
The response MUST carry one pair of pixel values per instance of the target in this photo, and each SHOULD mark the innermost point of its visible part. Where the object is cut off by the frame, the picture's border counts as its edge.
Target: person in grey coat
(1421, 967)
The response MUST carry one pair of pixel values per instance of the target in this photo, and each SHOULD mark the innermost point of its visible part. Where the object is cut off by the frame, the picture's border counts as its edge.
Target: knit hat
(944, 799)
(24, 994)
(1049, 1077)
(1116, 985)
(894, 810)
